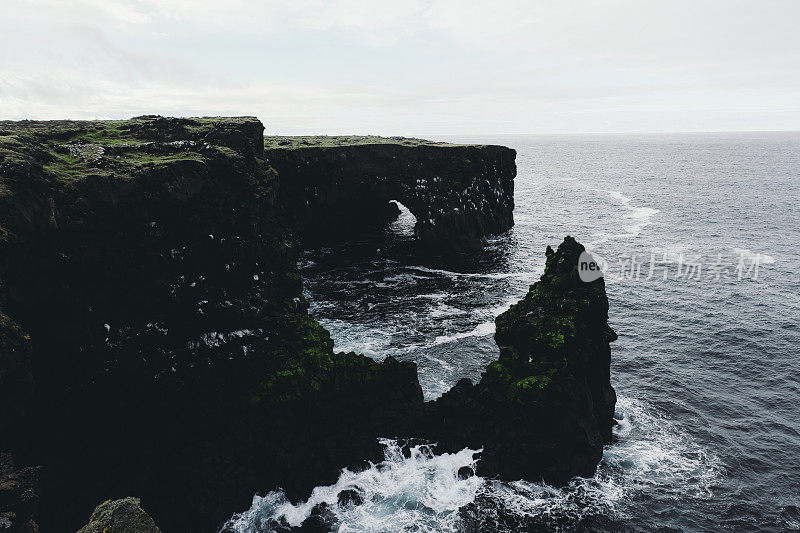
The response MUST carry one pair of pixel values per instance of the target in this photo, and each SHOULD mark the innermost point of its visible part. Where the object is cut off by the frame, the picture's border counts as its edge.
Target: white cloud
(417, 66)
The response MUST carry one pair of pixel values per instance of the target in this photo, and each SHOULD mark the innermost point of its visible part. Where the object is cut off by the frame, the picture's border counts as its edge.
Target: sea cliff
(334, 186)
(155, 341)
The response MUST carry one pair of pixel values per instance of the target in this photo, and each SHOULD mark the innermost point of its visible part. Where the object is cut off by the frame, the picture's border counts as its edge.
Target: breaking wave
(482, 330)
(490, 275)
(412, 489)
(640, 218)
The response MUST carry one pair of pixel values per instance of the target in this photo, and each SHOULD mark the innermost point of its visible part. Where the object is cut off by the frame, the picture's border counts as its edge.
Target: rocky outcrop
(545, 408)
(19, 496)
(459, 194)
(120, 515)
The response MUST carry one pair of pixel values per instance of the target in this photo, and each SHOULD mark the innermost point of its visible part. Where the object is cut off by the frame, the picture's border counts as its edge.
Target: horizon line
(421, 135)
(416, 135)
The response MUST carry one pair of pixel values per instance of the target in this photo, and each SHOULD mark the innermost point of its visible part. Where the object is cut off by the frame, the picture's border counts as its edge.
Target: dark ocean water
(706, 366)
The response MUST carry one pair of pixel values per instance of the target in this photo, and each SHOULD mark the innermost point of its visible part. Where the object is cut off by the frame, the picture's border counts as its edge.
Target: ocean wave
(373, 342)
(417, 491)
(444, 310)
(447, 366)
(651, 451)
(650, 454)
(491, 275)
(641, 217)
(482, 330)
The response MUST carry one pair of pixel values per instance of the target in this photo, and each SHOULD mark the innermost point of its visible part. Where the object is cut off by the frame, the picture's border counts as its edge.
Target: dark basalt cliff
(460, 194)
(154, 340)
(154, 329)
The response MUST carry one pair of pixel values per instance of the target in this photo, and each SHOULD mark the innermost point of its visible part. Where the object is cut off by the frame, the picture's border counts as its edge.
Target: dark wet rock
(350, 497)
(465, 472)
(16, 380)
(321, 520)
(19, 495)
(120, 515)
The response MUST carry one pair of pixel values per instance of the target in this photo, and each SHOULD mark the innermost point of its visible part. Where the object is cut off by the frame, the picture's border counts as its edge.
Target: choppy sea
(699, 236)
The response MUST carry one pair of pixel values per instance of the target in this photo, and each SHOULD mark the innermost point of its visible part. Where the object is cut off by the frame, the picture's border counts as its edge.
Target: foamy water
(412, 491)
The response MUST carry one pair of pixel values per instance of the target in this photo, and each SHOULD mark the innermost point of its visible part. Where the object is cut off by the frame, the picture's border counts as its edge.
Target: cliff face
(460, 194)
(154, 339)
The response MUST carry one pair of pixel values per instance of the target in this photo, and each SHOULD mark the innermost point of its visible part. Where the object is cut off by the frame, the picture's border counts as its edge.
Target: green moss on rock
(334, 141)
(538, 336)
(74, 150)
(125, 515)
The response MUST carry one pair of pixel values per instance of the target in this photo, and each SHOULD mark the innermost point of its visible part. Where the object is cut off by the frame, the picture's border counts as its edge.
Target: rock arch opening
(403, 225)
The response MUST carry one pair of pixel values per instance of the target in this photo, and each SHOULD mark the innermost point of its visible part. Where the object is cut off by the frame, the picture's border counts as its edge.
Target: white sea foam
(444, 310)
(447, 366)
(640, 216)
(404, 224)
(421, 491)
(372, 342)
(502, 308)
(651, 454)
(404, 277)
(491, 275)
(652, 451)
(305, 263)
(749, 255)
(432, 296)
(482, 330)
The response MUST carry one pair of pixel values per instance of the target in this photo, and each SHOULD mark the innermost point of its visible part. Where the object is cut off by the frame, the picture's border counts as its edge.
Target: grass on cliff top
(333, 141)
(146, 128)
(72, 150)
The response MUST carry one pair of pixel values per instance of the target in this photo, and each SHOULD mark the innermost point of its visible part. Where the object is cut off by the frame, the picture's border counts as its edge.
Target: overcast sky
(409, 67)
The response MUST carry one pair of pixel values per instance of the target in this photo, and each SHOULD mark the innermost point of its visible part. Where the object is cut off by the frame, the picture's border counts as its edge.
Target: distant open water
(706, 369)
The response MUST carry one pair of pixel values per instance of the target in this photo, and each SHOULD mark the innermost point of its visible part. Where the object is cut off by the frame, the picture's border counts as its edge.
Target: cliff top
(69, 150)
(132, 132)
(283, 142)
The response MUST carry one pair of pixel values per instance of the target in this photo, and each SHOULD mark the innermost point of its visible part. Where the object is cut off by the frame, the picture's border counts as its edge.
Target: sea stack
(545, 408)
